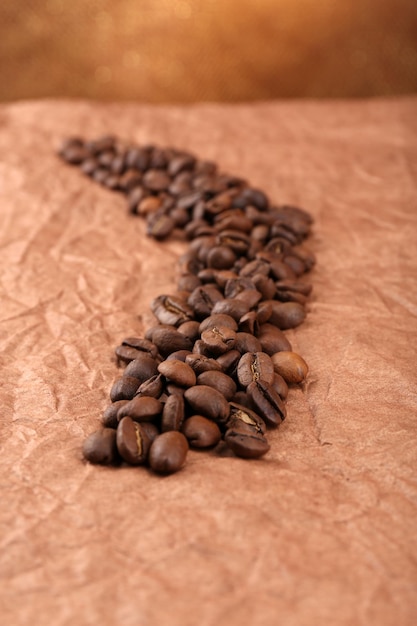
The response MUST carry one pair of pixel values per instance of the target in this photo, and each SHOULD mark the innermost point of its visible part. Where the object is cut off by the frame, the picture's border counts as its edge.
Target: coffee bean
(291, 366)
(201, 432)
(246, 445)
(142, 368)
(159, 225)
(173, 413)
(141, 344)
(152, 387)
(218, 340)
(200, 363)
(203, 299)
(268, 403)
(231, 307)
(243, 418)
(109, 417)
(141, 409)
(156, 180)
(280, 386)
(272, 339)
(190, 329)
(209, 402)
(132, 442)
(255, 366)
(245, 342)
(100, 447)
(150, 430)
(179, 355)
(124, 388)
(217, 320)
(228, 361)
(178, 372)
(170, 340)
(171, 310)
(168, 452)
(286, 314)
(219, 381)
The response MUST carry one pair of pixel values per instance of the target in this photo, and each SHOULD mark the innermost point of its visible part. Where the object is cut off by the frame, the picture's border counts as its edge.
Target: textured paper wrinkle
(320, 530)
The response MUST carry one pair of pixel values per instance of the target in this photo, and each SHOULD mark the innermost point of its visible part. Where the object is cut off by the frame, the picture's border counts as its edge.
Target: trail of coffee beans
(215, 369)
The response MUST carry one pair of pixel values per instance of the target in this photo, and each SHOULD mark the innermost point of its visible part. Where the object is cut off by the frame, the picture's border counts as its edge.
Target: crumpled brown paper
(320, 531)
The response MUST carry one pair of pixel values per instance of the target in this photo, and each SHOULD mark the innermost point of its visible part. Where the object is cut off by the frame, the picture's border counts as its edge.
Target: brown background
(192, 50)
(320, 531)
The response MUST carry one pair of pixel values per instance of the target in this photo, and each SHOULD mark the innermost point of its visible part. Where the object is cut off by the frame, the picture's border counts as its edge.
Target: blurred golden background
(193, 50)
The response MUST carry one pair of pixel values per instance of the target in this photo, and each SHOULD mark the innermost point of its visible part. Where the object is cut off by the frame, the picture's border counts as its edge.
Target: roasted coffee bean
(280, 386)
(264, 312)
(272, 339)
(248, 323)
(152, 387)
(188, 282)
(156, 180)
(209, 402)
(159, 225)
(173, 389)
(286, 314)
(217, 320)
(109, 417)
(142, 368)
(220, 381)
(132, 442)
(148, 205)
(228, 361)
(124, 388)
(218, 340)
(221, 258)
(291, 366)
(169, 340)
(245, 342)
(142, 345)
(242, 417)
(190, 329)
(173, 413)
(171, 310)
(168, 452)
(201, 432)
(178, 372)
(242, 398)
(268, 403)
(255, 366)
(228, 306)
(200, 363)
(100, 447)
(246, 445)
(203, 299)
(141, 409)
(265, 285)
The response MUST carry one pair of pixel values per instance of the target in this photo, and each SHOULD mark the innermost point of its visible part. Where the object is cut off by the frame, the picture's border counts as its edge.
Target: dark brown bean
(171, 310)
(209, 402)
(124, 388)
(218, 340)
(141, 409)
(268, 403)
(142, 368)
(109, 417)
(190, 329)
(173, 413)
(152, 387)
(254, 366)
(220, 381)
(228, 361)
(168, 452)
(231, 307)
(291, 366)
(243, 417)
(170, 340)
(132, 442)
(246, 445)
(178, 372)
(286, 314)
(245, 342)
(201, 432)
(100, 447)
(201, 363)
(272, 339)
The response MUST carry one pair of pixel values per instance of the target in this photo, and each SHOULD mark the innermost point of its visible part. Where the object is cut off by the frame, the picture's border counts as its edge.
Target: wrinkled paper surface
(320, 531)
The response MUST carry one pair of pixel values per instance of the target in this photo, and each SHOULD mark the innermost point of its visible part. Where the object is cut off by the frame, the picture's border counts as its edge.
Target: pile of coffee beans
(214, 370)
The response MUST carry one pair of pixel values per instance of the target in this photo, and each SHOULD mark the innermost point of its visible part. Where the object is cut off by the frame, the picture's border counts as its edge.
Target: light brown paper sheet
(320, 531)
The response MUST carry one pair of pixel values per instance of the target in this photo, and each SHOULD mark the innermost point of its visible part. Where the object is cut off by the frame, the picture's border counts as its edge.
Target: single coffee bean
(132, 441)
(142, 368)
(267, 402)
(242, 417)
(148, 205)
(287, 314)
(219, 381)
(171, 310)
(141, 409)
(200, 363)
(272, 339)
(170, 340)
(229, 361)
(168, 452)
(150, 430)
(245, 342)
(242, 398)
(124, 388)
(217, 320)
(246, 445)
(231, 307)
(248, 323)
(265, 286)
(203, 299)
(209, 402)
(291, 366)
(255, 366)
(190, 329)
(109, 417)
(173, 413)
(218, 340)
(152, 387)
(178, 372)
(159, 225)
(142, 345)
(221, 258)
(201, 432)
(156, 180)
(100, 447)
(172, 389)
(280, 386)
